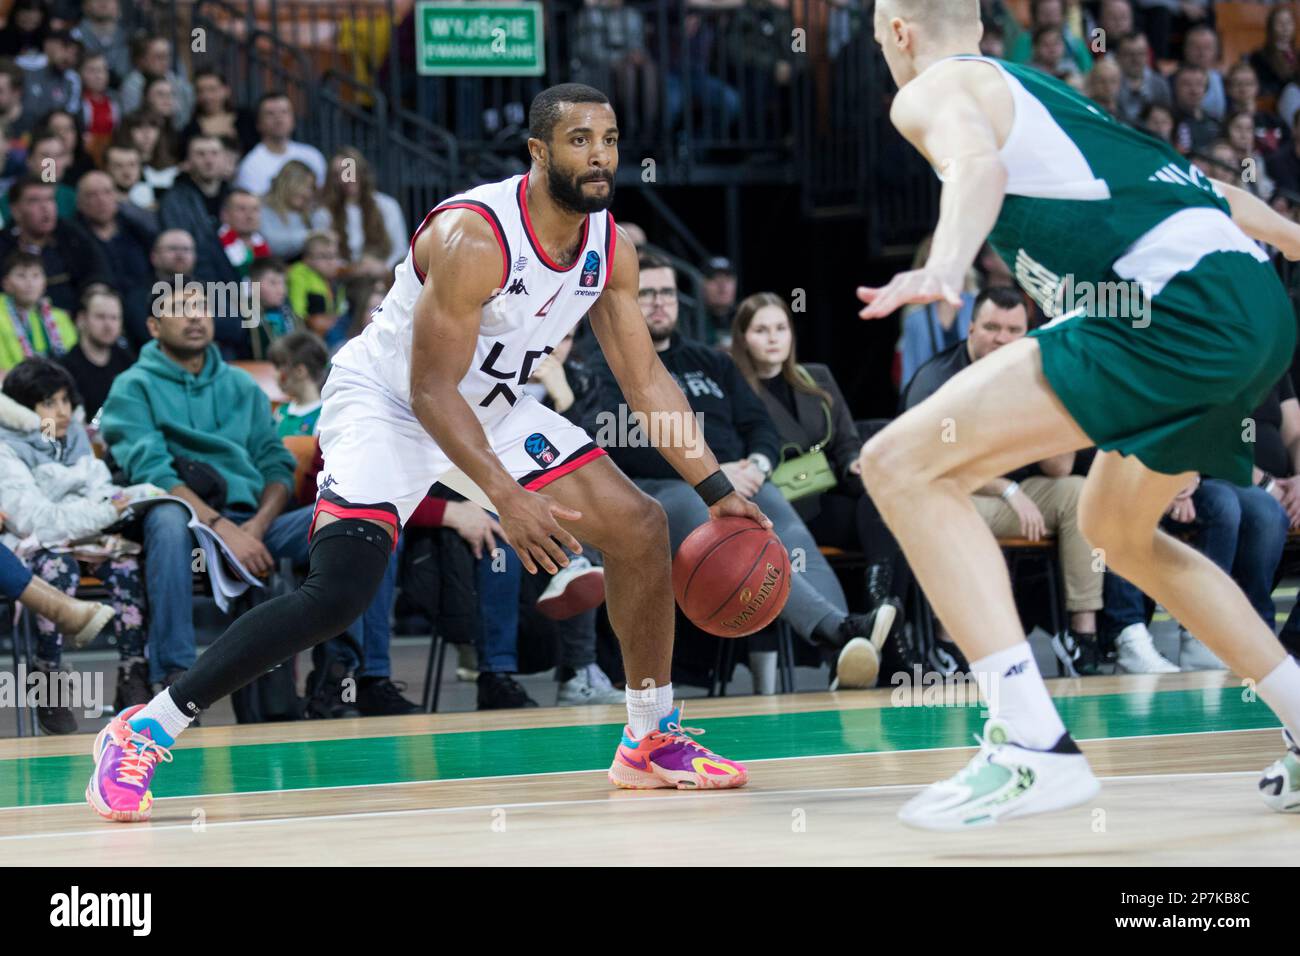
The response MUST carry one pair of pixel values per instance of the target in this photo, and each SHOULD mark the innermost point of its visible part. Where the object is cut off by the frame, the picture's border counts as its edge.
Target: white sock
(1014, 691)
(645, 708)
(1281, 691)
(162, 710)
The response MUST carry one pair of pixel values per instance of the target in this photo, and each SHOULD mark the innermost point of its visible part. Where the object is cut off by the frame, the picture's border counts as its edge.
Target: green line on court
(317, 764)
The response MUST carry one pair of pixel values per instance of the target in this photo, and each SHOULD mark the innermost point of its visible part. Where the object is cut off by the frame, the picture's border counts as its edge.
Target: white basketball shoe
(1280, 785)
(1005, 779)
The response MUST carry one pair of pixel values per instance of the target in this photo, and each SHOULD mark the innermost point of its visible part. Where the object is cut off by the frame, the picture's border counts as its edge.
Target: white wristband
(1010, 490)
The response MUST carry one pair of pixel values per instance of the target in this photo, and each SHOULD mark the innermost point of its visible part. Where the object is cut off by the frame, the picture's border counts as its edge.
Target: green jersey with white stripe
(1083, 188)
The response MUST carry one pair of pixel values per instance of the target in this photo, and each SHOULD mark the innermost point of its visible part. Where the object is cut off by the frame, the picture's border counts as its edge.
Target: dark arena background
(279, 156)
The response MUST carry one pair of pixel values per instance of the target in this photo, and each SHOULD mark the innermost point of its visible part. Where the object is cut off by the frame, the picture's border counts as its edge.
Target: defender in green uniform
(1168, 327)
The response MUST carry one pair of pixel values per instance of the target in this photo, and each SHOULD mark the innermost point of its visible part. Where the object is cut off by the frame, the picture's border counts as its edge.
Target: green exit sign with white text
(479, 39)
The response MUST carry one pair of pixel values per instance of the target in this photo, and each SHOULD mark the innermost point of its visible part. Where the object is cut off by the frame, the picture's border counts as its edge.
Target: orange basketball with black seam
(731, 577)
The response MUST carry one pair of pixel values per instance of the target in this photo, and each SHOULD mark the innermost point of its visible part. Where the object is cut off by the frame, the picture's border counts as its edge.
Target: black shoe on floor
(900, 655)
(132, 685)
(380, 697)
(501, 692)
(1078, 654)
(325, 693)
(947, 659)
(53, 720)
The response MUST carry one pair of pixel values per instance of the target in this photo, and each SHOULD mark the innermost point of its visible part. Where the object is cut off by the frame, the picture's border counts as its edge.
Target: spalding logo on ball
(731, 577)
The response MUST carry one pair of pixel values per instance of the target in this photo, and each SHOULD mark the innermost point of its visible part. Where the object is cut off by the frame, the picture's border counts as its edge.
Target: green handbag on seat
(810, 473)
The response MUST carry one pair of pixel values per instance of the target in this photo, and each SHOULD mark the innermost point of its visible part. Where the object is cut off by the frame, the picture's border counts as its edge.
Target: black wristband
(714, 488)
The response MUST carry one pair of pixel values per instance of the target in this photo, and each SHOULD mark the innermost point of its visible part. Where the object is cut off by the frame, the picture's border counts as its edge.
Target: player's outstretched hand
(528, 520)
(918, 285)
(735, 506)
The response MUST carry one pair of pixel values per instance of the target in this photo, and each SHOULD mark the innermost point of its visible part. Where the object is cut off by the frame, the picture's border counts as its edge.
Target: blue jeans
(498, 598)
(14, 575)
(168, 576)
(1123, 605)
(374, 628)
(1243, 531)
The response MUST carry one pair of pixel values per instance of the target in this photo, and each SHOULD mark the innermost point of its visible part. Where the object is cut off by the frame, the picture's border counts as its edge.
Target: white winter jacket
(54, 491)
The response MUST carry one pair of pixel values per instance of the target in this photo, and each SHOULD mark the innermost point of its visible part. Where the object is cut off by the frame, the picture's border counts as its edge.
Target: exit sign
(479, 39)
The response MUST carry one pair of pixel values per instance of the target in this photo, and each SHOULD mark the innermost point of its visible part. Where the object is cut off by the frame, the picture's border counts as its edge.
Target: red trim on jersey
(545, 479)
(346, 511)
(532, 236)
(483, 211)
(611, 243)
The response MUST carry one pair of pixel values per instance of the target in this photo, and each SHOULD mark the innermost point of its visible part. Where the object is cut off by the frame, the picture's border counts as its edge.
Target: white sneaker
(573, 589)
(1004, 780)
(1137, 654)
(1280, 785)
(589, 686)
(1195, 656)
(857, 667)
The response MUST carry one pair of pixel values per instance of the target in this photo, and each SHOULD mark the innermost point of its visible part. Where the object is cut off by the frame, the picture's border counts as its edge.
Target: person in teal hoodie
(184, 420)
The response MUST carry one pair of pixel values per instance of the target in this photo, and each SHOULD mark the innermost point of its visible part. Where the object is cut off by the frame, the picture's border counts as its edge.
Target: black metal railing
(753, 93)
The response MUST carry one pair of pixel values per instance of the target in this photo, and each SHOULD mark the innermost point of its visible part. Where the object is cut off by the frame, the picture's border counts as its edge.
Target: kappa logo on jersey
(327, 482)
(517, 288)
(590, 269)
(540, 449)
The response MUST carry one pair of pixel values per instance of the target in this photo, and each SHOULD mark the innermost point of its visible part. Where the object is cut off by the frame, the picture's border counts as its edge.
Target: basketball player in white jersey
(433, 391)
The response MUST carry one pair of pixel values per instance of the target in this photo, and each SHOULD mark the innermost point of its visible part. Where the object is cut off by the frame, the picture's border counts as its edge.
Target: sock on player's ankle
(1281, 691)
(1013, 690)
(163, 712)
(645, 708)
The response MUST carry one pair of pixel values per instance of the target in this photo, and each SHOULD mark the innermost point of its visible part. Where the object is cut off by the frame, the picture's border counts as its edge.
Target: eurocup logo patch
(540, 450)
(590, 269)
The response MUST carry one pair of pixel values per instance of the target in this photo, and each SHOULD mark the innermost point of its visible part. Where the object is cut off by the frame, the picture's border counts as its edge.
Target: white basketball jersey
(538, 303)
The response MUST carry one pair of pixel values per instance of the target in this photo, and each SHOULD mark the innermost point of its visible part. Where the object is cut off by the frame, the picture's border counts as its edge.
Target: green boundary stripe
(315, 764)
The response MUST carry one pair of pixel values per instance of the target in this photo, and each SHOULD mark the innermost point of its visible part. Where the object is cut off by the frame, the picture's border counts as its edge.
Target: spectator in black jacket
(194, 204)
(72, 260)
(809, 412)
(123, 239)
(738, 429)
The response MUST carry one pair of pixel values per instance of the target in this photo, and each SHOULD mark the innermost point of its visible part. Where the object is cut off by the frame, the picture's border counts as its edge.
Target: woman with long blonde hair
(287, 209)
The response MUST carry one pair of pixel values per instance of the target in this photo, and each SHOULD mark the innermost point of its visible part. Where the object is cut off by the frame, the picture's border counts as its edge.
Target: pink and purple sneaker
(126, 754)
(669, 757)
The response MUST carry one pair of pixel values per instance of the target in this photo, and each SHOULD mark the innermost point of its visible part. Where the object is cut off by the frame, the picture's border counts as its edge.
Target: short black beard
(567, 193)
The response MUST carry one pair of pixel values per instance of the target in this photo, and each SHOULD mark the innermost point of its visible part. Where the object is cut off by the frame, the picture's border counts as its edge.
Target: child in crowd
(300, 361)
(276, 316)
(29, 325)
(314, 291)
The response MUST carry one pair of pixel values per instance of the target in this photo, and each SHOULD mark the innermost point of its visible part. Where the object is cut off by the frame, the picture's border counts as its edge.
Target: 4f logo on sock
(1015, 669)
(540, 450)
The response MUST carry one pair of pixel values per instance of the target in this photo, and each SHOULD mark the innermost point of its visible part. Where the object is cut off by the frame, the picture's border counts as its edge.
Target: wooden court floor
(1180, 756)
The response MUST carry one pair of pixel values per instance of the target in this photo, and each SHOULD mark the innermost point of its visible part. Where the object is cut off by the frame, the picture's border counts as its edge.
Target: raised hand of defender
(528, 521)
(917, 285)
(735, 506)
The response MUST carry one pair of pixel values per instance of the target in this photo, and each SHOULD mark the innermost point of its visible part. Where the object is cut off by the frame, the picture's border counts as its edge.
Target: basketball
(731, 577)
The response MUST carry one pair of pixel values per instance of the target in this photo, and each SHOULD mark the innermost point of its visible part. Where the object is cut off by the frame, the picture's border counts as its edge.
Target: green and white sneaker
(1005, 779)
(1280, 785)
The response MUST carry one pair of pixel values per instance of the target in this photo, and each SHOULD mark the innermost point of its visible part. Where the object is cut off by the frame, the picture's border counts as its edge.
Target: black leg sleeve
(348, 560)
